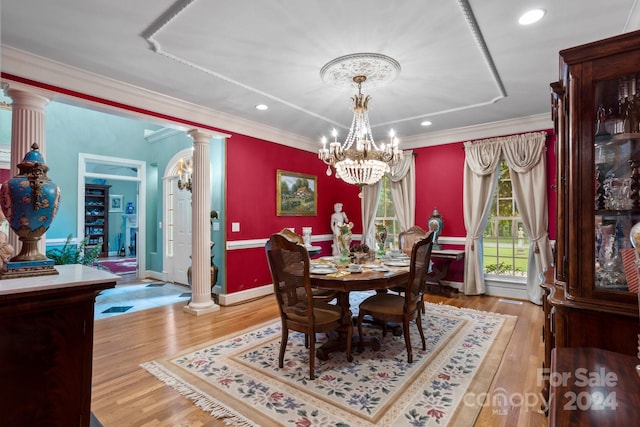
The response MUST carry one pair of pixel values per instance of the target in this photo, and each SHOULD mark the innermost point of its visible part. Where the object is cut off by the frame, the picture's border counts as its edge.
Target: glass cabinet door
(617, 181)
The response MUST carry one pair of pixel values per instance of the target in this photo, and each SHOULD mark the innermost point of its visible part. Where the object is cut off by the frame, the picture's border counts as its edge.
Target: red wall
(5, 174)
(251, 201)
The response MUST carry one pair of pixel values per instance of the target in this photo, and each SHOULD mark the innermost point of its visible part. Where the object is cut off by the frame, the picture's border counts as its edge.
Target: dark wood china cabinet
(592, 301)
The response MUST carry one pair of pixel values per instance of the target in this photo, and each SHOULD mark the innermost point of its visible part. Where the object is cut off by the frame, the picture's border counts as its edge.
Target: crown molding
(486, 130)
(130, 99)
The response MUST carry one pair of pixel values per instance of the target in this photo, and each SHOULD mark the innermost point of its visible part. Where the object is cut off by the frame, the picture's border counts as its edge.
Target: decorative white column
(27, 127)
(201, 302)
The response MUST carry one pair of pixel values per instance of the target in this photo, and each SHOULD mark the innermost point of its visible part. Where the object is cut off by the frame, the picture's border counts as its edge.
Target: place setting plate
(323, 270)
(397, 263)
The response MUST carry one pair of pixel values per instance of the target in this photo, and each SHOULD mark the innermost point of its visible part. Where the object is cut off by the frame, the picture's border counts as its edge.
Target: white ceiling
(228, 56)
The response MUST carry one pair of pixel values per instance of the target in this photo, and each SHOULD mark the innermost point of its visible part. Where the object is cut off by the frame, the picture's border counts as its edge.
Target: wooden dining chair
(408, 238)
(321, 294)
(292, 235)
(299, 310)
(389, 307)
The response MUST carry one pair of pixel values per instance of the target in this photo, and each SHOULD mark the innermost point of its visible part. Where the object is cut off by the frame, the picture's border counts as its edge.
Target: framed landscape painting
(296, 194)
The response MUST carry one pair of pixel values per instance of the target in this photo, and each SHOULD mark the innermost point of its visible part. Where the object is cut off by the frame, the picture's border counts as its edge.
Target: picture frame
(296, 194)
(116, 203)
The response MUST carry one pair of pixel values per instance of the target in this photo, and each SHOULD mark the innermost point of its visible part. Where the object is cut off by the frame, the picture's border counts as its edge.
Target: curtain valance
(521, 152)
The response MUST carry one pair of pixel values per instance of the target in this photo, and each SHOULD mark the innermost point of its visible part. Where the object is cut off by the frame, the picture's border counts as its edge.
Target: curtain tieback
(472, 243)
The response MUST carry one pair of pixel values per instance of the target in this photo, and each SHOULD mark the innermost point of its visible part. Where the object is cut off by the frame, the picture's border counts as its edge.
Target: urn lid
(33, 160)
(34, 156)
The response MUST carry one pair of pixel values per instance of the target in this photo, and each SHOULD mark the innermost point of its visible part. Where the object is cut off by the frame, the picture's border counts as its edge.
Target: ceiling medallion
(359, 160)
(379, 70)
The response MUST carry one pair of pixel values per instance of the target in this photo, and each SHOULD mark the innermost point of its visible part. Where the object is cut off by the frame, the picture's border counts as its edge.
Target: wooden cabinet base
(593, 387)
(46, 347)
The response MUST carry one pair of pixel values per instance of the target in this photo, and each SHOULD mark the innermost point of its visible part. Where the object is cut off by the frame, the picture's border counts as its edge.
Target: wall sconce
(185, 173)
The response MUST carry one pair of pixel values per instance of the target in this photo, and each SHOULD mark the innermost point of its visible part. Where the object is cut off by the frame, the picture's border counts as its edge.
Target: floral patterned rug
(238, 379)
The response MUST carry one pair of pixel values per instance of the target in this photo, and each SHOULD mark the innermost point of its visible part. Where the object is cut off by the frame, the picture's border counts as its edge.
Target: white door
(182, 234)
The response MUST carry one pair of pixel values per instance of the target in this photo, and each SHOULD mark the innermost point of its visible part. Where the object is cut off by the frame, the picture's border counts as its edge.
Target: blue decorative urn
(30, 201)
(435, 224)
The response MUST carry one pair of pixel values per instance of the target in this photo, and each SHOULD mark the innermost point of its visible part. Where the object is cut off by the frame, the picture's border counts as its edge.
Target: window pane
(506, 246)
(386, 214)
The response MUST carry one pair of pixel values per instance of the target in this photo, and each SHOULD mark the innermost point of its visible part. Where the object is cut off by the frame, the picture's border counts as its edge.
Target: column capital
(200, 136)
(31, 99)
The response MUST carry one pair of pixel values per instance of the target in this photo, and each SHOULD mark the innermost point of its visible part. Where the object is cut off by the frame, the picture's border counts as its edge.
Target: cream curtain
(480, 179)
(369, 206)
(402, 181)
(524, 155)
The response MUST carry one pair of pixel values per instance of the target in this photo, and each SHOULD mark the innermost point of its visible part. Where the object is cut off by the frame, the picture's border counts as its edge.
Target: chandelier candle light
(359, 160)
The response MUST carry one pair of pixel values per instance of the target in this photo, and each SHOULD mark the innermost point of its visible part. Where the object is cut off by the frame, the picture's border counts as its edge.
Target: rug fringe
(199, 397)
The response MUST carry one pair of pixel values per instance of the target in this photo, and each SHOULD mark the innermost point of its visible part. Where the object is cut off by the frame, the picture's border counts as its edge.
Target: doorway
(104, 168)
(177, 226)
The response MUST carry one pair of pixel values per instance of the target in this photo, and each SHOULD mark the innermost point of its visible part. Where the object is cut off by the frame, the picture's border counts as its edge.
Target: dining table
(371, 278)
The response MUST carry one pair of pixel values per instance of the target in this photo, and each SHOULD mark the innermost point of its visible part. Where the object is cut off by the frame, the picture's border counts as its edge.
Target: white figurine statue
(6, 250)
(338, 219)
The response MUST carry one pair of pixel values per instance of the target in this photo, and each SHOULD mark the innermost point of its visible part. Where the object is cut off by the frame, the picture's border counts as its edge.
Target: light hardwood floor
(124, 394)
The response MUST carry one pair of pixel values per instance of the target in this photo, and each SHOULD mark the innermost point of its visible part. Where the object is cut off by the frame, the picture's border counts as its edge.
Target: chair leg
(407, 339)
(419, 323)
(360, 346)
(349, 336)
(312, 355)
(283, 345)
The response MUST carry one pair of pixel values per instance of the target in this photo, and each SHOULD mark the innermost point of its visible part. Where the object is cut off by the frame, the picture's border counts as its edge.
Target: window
(386, 213)
(506, 245)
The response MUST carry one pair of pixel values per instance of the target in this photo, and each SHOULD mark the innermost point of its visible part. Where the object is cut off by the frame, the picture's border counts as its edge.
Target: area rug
(237, 378)
(121, 265)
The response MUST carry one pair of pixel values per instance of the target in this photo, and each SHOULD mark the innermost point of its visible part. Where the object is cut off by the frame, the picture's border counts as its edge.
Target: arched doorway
(177, 224)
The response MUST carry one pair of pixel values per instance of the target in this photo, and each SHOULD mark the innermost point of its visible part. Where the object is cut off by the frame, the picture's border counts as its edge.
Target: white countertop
(70, 276)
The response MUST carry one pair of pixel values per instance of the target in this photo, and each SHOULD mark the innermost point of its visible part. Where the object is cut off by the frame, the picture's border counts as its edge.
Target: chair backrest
(294, 237)
(408, 238)
(289, 266)
(419, 268)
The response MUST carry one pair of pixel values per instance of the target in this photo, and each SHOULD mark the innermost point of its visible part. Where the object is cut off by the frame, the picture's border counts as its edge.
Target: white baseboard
(506, 290)
(498, 289)
(456, 285)
(155, 275)
(237, 297)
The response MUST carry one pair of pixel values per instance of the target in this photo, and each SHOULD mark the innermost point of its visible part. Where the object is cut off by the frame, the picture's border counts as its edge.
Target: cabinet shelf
(618, 213)
(96, 216)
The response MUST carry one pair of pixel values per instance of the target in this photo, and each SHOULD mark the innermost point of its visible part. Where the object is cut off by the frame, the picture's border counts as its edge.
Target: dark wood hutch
(592, 299)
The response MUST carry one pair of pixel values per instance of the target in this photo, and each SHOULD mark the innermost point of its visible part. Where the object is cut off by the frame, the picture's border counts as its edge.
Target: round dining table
(343, 282)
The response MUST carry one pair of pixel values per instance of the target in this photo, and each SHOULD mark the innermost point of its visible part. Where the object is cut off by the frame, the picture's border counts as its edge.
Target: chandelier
(185, 174)
(359, 160)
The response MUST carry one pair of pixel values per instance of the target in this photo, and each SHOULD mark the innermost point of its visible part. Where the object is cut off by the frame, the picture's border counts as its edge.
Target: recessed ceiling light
(262, 107)
(425, 123)
(531, 16)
